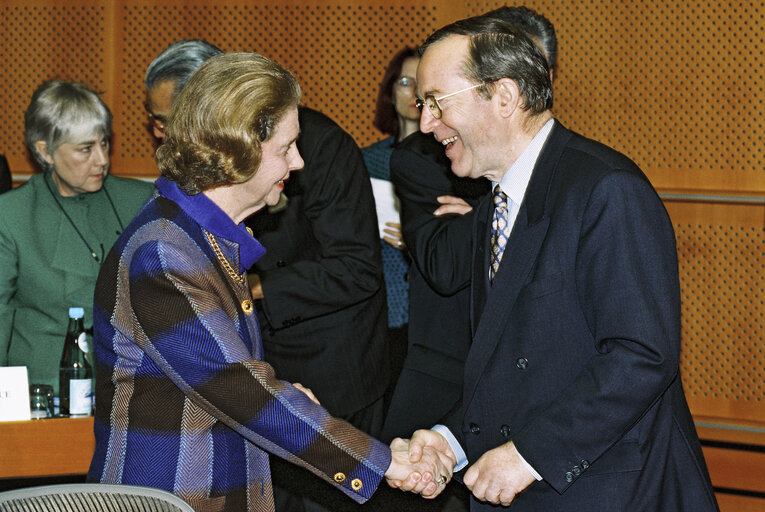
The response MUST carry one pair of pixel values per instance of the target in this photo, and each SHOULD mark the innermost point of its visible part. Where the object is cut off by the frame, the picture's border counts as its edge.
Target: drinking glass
(40, 401)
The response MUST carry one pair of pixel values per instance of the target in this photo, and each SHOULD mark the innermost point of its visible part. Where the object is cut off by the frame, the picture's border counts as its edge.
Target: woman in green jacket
(56, 229)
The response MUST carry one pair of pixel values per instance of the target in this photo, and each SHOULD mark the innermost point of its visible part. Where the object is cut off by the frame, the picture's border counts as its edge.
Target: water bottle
(75, 372)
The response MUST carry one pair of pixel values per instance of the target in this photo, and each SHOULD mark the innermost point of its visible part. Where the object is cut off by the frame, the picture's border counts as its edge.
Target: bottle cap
(76, 313)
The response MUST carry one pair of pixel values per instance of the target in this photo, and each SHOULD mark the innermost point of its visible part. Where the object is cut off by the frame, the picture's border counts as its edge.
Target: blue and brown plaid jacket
(184, 401)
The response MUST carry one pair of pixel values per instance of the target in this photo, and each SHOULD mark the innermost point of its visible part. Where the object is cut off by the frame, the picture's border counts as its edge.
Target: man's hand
(423, 438)
(427, 475)
(451, 204)
(498, 476)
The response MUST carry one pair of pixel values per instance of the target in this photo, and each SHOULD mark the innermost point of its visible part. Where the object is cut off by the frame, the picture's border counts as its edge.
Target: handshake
(422, 465)
(425, 463)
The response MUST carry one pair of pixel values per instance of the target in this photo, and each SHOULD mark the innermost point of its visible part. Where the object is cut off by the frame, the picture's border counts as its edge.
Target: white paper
(14, 393)
(386, 203)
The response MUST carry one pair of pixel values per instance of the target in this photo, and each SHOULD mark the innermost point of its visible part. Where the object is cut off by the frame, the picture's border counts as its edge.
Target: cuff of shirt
(528, 466)
(454, 445)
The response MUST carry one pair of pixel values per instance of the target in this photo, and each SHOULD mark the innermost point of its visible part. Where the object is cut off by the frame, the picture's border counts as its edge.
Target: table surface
(56, 446)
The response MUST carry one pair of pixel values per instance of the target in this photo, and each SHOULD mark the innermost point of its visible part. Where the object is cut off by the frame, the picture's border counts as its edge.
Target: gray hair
(60, 111)
(535, 26)
(178, 62)
(499, 50)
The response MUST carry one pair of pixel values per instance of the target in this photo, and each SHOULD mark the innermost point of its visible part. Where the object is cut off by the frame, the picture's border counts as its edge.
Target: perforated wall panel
(43, 41)
(722, 277)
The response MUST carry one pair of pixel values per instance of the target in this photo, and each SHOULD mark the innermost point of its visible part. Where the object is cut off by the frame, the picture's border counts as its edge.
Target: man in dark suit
(572, 398)
(322, 306)
(439, 330)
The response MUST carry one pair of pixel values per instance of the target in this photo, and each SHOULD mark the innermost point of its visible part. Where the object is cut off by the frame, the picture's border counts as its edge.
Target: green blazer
(46, 267)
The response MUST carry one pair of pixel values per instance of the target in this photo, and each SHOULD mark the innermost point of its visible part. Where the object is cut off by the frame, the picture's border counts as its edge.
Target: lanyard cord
(82, 237)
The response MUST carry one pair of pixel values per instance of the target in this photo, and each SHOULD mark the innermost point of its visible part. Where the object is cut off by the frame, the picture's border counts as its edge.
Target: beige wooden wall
(675, 85)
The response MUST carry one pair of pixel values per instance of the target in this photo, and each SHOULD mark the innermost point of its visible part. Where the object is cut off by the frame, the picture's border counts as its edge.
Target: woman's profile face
(279, 157)
(405, 90)
(81, 166)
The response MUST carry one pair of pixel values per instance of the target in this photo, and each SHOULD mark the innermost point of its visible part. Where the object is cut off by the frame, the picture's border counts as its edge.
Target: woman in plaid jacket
(184, 401)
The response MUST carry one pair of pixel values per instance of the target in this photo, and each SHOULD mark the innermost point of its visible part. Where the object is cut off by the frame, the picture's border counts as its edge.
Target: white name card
(14, 393)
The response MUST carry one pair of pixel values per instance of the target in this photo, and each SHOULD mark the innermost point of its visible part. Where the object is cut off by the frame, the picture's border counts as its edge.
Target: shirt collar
(516, 179)
(208, 215)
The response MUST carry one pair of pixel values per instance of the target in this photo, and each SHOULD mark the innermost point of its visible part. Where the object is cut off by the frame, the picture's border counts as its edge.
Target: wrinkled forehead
(441, 65)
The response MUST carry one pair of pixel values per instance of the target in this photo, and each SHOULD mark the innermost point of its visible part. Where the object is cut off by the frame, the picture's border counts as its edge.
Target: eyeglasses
(432, 103)
(406, 82)
(156, 120)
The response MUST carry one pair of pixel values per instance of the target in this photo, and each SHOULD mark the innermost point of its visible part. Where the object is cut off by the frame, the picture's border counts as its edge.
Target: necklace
(239, 278)
(82, 237)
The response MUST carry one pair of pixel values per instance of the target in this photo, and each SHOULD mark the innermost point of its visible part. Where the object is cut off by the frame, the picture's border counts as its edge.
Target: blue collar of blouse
(208, 215)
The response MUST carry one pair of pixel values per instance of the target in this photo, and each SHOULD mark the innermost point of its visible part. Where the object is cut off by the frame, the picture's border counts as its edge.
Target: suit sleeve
(196, 343)
(340, 209)
(627, 286)
(439, 246)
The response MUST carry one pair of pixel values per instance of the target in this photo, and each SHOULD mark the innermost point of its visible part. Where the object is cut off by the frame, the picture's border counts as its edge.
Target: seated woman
(56, 229)
(184, 401)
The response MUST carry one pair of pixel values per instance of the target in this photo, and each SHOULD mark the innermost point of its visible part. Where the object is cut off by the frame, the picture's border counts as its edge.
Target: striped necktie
(500, 231)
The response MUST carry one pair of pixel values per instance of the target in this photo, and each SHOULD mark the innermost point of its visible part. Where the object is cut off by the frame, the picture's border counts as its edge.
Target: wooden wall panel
(721, 250)
(675, 85)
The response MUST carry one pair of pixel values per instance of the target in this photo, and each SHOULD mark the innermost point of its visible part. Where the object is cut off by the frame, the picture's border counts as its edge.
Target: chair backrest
(91, 498)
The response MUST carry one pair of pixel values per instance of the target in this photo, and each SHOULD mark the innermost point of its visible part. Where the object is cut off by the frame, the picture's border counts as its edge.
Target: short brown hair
(218, 122)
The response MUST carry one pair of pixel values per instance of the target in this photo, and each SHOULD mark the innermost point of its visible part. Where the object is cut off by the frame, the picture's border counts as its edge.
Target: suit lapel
(480, 263)
(520, 256)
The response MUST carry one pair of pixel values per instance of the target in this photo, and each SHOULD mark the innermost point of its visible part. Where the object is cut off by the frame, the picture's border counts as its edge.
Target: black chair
(91, 498)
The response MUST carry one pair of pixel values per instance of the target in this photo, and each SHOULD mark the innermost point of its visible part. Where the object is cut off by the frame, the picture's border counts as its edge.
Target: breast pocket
(542, 286)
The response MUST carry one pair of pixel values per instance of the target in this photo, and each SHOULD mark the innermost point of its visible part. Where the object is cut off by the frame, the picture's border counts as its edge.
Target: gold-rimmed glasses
(432, 103)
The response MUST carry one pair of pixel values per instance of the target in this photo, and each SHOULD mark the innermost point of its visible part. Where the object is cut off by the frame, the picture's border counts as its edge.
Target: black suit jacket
(6, 182)
(576, 343)
(430, 384)
(324, 313)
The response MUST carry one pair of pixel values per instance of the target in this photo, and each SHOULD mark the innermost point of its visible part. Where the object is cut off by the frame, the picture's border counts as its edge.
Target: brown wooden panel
(735, 469)
(58, 446)
(721, 249)
(672, 84)
(732, 503)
